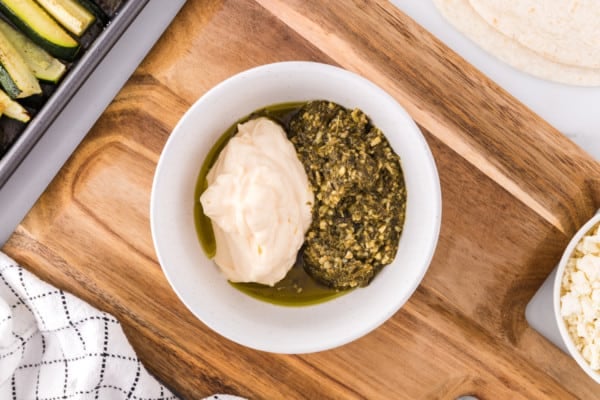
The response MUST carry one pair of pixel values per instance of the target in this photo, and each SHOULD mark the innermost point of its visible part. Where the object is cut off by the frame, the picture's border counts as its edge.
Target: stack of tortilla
(554, 40)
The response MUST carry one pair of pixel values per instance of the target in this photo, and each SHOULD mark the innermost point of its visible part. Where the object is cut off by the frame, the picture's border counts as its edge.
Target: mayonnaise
(259, 202)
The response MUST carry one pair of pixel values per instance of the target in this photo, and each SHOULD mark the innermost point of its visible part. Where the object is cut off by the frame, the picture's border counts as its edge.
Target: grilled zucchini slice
(15, 76)
(35, 22)
(12, 109)
(96, 10)
(42, 64)
(70, 14)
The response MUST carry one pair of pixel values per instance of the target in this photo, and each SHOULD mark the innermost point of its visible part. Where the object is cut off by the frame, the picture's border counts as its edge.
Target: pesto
(360, 196)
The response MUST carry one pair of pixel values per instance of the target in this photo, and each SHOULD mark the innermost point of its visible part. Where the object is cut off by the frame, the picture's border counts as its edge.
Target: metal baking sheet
(74, 78)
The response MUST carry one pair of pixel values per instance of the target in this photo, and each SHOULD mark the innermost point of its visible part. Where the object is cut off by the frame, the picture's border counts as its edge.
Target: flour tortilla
(564, 31)
(464, 18)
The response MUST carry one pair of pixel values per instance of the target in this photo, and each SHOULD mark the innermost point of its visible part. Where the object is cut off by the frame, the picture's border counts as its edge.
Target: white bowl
(560, 271)
(198, 282)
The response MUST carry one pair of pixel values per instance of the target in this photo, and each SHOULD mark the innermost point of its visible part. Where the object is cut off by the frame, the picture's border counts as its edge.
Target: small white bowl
(198, 282)
(556, 296)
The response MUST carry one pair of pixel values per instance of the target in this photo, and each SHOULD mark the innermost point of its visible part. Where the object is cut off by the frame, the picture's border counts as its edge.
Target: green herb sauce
(297, 288)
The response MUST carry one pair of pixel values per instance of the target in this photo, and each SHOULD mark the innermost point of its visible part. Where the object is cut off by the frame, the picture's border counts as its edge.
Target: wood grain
(514, 190)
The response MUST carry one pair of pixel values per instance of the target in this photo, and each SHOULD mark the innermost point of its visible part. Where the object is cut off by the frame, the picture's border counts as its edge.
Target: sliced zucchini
(40, 27)
(42, 64)
(96, 10)
(70, 14)
(12, 109)
(15, 76)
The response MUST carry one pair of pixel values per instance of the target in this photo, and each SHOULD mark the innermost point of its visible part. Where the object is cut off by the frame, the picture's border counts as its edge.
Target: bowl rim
(585, 228)
(425, 259)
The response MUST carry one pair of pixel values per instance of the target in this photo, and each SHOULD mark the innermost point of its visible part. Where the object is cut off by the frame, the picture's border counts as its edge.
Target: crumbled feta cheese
(580, 284)
(589, 244)
(590, 265)
(580, 297)
(596, 298)
(570, 305)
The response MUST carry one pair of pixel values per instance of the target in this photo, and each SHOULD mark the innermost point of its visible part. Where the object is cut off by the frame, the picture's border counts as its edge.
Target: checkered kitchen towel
(54, 346)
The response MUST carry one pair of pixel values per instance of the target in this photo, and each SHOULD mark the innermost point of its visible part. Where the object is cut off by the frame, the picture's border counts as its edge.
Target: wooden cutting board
(514, 190)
